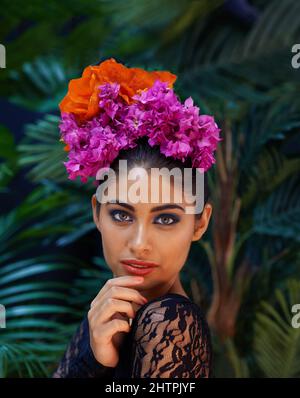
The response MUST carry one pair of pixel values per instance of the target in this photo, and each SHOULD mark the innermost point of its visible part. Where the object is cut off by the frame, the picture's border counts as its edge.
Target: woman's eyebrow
(157, 208)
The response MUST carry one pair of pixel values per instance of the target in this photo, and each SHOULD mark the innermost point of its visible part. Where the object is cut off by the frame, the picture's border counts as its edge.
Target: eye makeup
(173, 217)
(158, 208)
(115, 215)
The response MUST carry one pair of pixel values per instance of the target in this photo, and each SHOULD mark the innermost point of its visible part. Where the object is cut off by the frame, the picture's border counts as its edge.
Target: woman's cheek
(180, 239)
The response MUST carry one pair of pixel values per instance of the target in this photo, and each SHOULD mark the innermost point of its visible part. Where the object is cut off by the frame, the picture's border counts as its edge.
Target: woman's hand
(108, 317)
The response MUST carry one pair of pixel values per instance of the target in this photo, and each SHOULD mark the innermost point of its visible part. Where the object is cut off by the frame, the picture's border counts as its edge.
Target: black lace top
(169, 337)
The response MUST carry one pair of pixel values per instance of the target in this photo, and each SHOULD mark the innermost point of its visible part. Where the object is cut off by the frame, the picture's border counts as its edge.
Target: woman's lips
(130, 267)
(132, 261)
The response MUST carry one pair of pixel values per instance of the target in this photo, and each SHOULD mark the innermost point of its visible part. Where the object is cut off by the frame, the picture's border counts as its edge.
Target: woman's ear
(96, 217)
(201, 223)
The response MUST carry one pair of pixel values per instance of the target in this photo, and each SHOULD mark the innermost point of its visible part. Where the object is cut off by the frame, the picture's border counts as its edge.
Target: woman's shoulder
(170, 316)
(170, 306)
(169, 338)
(170, 299)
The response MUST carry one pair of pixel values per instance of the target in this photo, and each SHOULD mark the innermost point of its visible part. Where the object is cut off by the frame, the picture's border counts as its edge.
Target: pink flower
(157, 113)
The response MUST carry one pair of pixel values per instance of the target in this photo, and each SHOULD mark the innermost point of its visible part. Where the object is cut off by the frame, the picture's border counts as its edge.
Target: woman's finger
(106, 309)
(121, 281)
(122, 293)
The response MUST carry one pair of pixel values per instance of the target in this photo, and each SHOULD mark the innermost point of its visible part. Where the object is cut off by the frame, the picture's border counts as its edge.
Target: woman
(141, 323)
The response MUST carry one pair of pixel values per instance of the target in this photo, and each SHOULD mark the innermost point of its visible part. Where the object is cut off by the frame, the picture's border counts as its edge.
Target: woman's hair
(143, 155)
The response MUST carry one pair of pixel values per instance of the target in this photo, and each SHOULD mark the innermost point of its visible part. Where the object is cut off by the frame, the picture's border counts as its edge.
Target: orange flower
(82, 97)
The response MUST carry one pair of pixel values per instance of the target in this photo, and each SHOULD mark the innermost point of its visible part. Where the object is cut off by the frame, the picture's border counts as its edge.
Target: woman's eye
(168, 220)
(119, 216)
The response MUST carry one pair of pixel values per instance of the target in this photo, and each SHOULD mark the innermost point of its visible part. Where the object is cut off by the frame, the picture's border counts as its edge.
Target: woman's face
(147, 232)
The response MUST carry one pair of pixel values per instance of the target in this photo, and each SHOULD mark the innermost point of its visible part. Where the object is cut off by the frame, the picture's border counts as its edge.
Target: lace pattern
(78, 360)
(169, 338)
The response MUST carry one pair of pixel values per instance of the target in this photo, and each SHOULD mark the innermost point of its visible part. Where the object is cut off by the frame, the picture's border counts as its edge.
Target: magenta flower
(157, 113)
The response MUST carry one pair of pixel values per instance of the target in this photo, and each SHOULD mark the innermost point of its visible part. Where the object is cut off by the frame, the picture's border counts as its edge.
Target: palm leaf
(279, 215)
(40, 85)
(47, 154)
(32, 311)
(276, 342)
(8, 156)
(271, 170)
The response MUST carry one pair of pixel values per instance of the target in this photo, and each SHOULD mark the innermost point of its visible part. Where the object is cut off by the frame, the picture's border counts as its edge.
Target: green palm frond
(172, 18)
(34, 290)
(34, 302)
(88, 282)
(276, 341)
(277, 26)
(40, 85)
(271, 170)
(239, 364)
(47, 29)
(49, 216)
(280, 214)
(37, 301)
(47, 153)
(266, 124)
(42, 150)
(9, 158)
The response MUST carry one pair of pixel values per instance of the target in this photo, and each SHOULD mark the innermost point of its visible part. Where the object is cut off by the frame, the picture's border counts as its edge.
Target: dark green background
(234, 59)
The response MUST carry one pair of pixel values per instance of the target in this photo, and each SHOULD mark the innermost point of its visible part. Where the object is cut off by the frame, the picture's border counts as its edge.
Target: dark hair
(143, 155)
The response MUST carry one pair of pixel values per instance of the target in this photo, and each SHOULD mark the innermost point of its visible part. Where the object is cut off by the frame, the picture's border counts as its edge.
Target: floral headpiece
(111, 106)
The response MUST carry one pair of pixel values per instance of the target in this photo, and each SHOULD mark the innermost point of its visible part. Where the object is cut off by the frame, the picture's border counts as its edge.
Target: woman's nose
(139, 242)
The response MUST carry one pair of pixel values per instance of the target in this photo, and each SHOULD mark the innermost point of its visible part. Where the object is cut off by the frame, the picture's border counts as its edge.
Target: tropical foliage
(245, 272)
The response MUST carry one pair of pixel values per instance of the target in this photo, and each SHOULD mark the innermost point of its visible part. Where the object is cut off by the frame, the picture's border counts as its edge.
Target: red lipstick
(138, 267)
